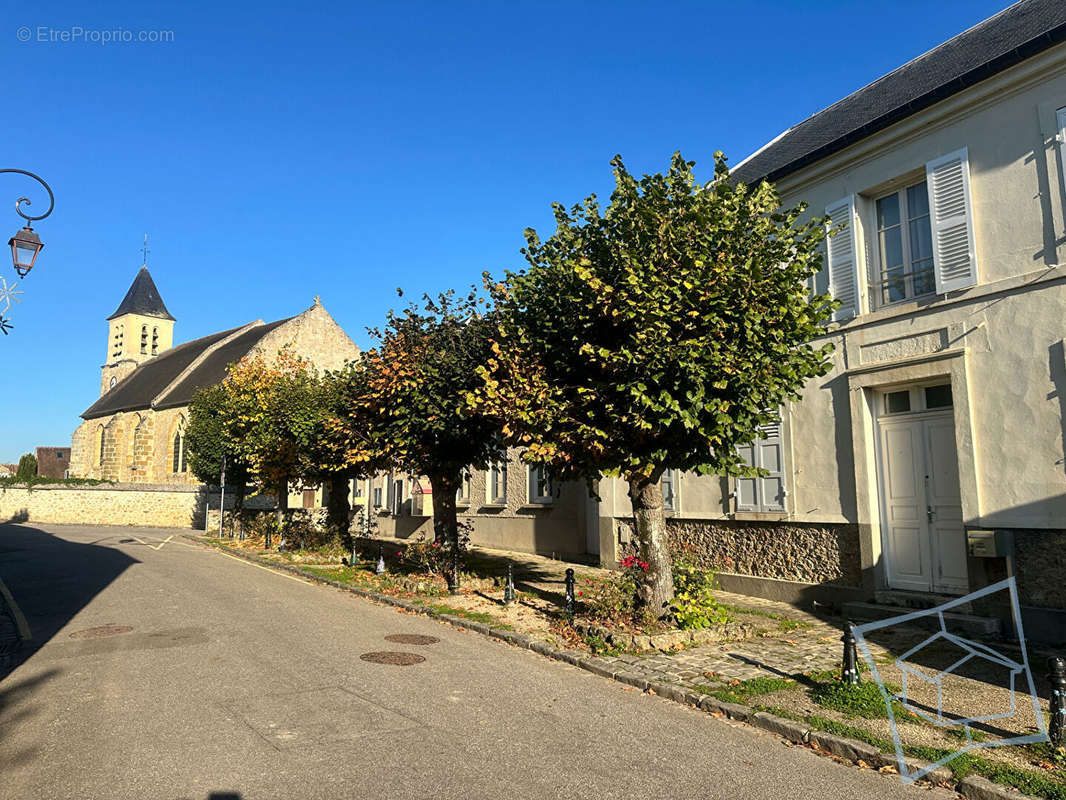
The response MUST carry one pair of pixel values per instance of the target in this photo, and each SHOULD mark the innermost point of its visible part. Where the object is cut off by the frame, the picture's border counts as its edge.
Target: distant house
(7, 470)
(53, 462)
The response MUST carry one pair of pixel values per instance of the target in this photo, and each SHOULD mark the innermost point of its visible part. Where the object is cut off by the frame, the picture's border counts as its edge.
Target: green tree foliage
(660, 333)
(27, 468)
(406, 402)
(207, 441)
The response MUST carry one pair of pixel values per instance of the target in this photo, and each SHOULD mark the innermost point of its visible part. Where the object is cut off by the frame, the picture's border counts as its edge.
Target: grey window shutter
(771, 458)
(842, 258)
(951, 219)
(747, 488)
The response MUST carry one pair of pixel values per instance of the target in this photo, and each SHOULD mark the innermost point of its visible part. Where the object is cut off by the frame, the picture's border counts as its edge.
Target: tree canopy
(660, 333)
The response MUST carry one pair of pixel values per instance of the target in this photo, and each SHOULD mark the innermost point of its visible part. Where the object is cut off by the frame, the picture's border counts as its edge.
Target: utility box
(989, 544)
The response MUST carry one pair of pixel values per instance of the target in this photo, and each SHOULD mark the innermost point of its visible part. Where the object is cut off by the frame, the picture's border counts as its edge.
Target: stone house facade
(135, 431)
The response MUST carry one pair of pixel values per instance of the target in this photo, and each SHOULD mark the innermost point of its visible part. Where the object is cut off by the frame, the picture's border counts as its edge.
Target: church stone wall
(118, 504)
(314, 335)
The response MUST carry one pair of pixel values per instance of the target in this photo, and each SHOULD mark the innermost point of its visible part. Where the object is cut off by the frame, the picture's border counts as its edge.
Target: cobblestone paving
(815, 645)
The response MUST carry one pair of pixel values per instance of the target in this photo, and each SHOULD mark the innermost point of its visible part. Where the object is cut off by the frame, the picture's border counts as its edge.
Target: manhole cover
(102, 630)
(411, 638)
(396, 659)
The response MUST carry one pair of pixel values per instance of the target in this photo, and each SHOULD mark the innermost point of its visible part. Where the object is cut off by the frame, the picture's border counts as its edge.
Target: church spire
(143, 298)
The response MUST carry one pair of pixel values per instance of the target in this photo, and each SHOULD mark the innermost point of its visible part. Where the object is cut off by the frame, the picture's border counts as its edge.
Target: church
(135, 431)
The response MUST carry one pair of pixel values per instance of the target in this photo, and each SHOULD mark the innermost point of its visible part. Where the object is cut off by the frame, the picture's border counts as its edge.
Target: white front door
(924, 538)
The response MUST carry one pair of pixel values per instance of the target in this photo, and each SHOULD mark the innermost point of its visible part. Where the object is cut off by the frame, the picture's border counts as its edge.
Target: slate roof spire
(143, 298)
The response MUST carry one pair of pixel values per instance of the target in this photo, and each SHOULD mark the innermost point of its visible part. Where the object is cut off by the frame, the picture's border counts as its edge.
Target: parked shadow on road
(50, 579)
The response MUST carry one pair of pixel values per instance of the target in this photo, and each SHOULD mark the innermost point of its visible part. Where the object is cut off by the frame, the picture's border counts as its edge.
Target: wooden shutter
(766, 452)
(842, 258)
(771, 458)
(951, 219)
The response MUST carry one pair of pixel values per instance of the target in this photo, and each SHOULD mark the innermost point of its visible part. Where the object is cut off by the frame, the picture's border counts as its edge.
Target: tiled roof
(212, 369)
(1011, 36)
(140, 387)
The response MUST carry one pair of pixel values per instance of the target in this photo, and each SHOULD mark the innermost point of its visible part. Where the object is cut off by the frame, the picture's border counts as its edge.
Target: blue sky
(274, 152)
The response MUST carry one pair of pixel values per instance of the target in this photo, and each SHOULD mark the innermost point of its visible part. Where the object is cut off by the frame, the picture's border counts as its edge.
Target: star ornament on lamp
(8, 295)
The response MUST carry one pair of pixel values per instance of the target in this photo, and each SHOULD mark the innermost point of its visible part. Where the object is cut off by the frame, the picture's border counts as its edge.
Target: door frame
(920, 415)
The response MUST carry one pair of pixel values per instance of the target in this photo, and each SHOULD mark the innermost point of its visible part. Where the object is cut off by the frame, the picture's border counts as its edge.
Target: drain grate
(101, 631)
(411, 638)
(394, 658)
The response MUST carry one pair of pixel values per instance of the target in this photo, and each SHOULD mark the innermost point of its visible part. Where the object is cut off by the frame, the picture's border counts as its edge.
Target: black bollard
(570, 599)
(380, 569)
(508, 589)
(849, 674)
(1057, 678)
(268, 538)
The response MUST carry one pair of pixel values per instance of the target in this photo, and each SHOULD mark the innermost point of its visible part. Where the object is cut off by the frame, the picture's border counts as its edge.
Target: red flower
(579, 593)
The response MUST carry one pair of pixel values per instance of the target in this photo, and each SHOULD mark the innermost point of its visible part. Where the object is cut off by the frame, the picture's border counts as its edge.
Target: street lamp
(25, 246)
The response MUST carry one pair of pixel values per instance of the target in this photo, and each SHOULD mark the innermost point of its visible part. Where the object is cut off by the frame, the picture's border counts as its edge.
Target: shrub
(694, 604)
(433, 557)
(27, 469)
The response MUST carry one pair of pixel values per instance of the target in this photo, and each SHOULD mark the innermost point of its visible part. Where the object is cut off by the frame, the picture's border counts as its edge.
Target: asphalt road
(239, 682)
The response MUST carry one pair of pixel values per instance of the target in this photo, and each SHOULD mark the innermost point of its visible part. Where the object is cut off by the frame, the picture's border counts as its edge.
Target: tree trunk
(445, 519)
(238, 506)
(655, 590)
(283, 501)
(337, 510)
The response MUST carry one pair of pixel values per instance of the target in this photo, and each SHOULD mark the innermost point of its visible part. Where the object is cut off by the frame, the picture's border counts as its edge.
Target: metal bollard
(453, 578)
(570, 600)
(380, 569)
(1057, 677)
(508, 589)
(849, 674)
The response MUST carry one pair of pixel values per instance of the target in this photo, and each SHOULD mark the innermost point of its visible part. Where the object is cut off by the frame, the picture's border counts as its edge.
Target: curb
(973, 787)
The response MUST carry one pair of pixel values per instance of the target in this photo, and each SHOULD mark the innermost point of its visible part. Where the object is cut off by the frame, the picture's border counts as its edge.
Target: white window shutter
(951, 219)
(843, 262)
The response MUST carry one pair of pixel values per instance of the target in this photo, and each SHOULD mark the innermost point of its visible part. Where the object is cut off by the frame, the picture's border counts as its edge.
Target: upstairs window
(155, 341)
(144, 340)
(904, 246)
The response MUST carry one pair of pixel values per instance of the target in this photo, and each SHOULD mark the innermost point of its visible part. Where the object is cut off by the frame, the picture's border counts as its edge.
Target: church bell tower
(140, 329)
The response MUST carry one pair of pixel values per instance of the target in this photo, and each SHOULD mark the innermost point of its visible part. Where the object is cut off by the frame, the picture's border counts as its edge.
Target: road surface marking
(268, 569)
(20, 621)
(159, 547)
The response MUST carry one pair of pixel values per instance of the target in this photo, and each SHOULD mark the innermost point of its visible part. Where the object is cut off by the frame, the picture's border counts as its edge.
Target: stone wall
(803, 552)
(1040, 567)
(114, 504)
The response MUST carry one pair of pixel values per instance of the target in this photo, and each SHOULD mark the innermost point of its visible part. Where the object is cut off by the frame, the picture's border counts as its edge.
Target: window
(103, 439)
(668, 484)
(904, 245)
(377, 496)
(920, 239)
(397, 496)
(155, 341)
(144, 340)
(763, 494)
(114, 380)
(462, 494)
(540, 487)
(917, 399)
(357, 488)
(178, 464)
(496, 484)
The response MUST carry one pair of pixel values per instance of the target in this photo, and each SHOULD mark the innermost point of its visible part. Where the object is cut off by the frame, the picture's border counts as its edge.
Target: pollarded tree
(207, 442)
(407, 400)
(273, 413)
(659, 334)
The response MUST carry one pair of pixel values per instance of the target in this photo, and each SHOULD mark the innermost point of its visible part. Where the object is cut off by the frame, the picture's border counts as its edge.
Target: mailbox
(989, 544)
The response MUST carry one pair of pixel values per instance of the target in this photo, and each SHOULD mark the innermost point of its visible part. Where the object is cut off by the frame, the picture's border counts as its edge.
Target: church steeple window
(155, 341)
(144, 340)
